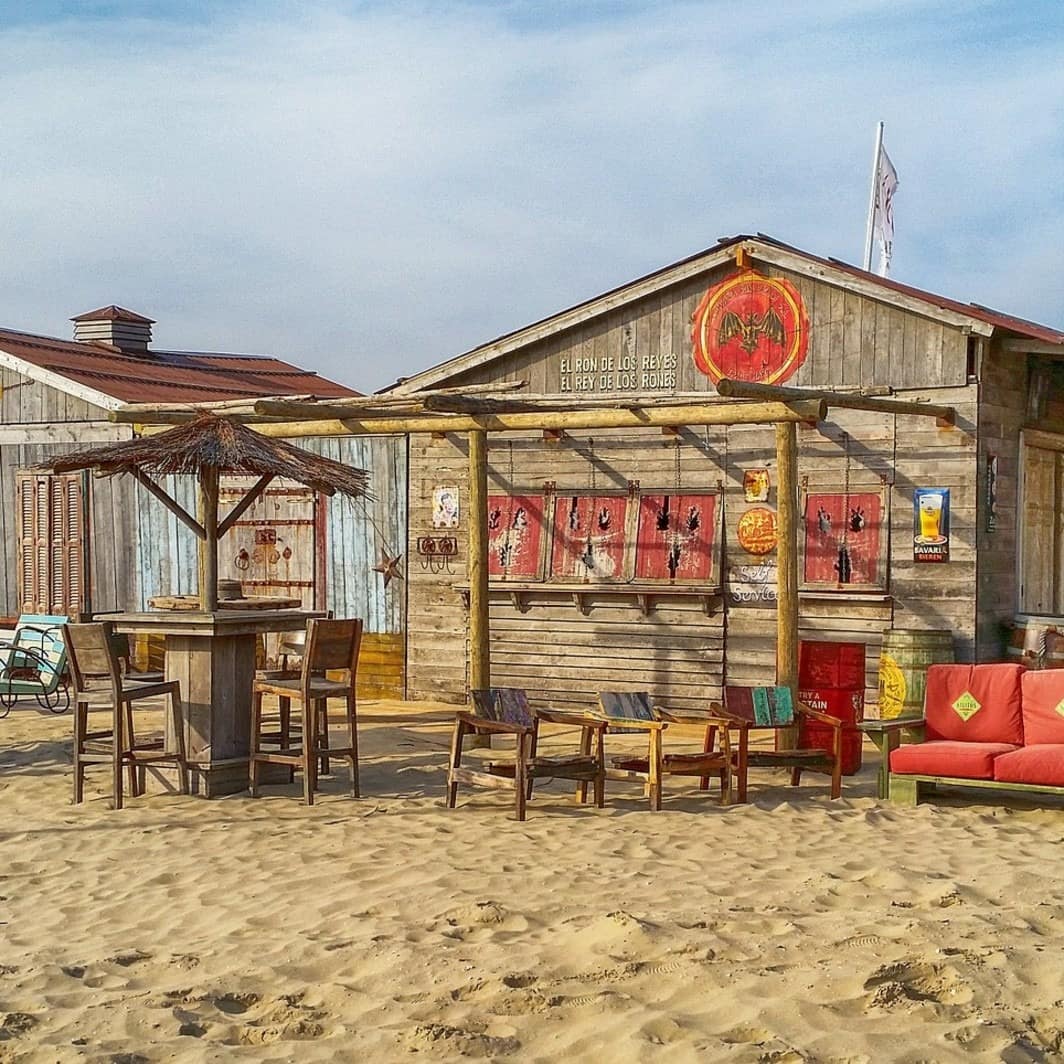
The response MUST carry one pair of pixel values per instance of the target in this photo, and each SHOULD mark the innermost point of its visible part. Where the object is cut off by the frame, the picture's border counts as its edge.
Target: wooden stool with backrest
(99, 684)
(331, 647)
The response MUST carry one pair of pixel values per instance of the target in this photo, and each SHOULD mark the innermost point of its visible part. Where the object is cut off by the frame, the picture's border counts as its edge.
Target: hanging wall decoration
(844, 543)
(515, 536)
(676, 538)
(590, 536)
(445, 507)
(757, 532)
(931, 525)
(751, 328)
(755, 485)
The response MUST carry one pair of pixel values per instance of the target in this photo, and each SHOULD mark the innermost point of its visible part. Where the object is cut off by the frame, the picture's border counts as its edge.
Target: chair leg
(744, 763)
(600, 778)
(352, 741)
(80, 727)
(130, 745)
(796, 776)
(585, 750)
(836, 777)
(456, 761)
(321, 720)
(707, 748)
(520, 777)
(654, 780)
(285, 705)
(532, 754)
(256, 743)
(310, 750)
(177, 723)
(116, 755)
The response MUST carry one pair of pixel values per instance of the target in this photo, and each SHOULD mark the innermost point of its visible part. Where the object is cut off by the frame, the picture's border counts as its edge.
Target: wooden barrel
(1054, 649)
(903, 668)
(1029, 640)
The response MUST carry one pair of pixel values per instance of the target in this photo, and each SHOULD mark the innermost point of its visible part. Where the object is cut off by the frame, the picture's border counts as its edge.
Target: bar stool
(96, 669)
(331, 646)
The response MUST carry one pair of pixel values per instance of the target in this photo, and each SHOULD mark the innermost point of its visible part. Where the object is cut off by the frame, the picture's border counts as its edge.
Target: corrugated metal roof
(168, 376)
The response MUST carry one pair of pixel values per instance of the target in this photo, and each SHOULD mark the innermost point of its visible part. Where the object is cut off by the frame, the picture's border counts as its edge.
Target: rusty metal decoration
(389, 567)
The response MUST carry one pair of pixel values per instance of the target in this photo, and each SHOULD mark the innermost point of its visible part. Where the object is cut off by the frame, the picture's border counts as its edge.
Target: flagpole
(872, 198)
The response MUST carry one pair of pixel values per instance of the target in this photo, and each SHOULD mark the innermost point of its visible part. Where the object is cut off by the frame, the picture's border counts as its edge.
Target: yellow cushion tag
(1059, 707)
(967, 706)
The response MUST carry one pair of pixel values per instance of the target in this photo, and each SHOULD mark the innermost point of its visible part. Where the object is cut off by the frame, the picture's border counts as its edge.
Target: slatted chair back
(504, 705)
(92, 654)
(626, 705)
(332, 646)
(763, 707)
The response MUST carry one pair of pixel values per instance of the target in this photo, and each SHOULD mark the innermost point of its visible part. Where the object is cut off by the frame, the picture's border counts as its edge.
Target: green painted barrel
(903, 663)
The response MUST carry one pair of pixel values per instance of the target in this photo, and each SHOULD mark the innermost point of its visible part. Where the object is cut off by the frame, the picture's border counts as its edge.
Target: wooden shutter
(1040, 575)
(51, 543)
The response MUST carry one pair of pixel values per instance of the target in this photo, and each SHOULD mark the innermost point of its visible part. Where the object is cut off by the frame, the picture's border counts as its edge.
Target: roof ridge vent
(123, 329)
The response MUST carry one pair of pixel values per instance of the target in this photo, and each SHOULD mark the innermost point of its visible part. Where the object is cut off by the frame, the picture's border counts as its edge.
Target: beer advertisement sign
(931, 525)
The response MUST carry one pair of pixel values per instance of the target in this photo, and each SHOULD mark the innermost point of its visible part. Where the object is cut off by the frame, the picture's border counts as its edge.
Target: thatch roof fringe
(211, 442)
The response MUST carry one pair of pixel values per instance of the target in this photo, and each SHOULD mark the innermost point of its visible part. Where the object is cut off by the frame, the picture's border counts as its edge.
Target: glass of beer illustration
(931, 516)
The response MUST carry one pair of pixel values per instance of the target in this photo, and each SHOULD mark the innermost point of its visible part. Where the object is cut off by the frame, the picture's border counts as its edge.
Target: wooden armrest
(279, 674)
(726, 720)
(480, 724)
(692, 717)
(642, 725)
(572, 719)
(824, 718)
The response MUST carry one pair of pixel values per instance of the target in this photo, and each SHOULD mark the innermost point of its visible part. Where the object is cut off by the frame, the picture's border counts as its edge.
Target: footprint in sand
(913, 981)
(448, 1042)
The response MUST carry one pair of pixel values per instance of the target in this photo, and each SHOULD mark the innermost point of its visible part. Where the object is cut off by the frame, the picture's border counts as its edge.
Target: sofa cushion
(1042, 764)
(974, 703)
(969, 761)
(1043, 706)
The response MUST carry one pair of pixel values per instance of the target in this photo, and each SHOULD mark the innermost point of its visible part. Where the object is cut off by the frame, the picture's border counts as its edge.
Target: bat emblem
(751, 329)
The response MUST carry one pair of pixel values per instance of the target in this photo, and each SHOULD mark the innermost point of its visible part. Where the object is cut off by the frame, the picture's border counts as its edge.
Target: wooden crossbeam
(169, 502)
(733, 389)
(806, 410)
(244, 505)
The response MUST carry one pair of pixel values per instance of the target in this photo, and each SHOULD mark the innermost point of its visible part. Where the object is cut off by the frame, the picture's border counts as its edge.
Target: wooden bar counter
(213, 657)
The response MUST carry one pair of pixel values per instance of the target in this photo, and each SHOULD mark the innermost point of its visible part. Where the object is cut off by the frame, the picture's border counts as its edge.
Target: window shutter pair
(51, 543)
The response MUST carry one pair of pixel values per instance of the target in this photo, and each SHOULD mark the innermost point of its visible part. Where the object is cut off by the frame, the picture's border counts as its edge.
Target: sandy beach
(790, 929)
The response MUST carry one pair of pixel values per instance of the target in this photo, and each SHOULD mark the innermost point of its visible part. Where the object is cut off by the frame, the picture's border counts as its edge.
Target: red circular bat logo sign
(750, 328)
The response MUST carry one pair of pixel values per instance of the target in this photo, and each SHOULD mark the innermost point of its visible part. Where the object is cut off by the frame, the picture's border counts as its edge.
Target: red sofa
(987, 726)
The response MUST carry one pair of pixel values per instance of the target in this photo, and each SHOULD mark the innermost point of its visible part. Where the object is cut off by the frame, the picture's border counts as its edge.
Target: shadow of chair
(505, 711)
(633, 711)
(775, 709)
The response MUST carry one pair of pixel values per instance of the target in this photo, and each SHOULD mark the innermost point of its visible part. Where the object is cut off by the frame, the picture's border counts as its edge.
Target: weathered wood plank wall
(645, 346)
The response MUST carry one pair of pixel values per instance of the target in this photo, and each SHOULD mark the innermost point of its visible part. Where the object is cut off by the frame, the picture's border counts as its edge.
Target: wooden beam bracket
(244, 505)
(169, 502)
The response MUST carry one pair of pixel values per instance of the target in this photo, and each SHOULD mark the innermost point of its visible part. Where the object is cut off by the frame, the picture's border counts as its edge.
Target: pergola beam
(244, 505)
(807, 410)
(169, 502)
(733, 389)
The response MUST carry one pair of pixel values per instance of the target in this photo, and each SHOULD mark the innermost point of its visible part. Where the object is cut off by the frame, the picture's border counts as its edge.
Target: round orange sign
(750, 328)
(757, 531)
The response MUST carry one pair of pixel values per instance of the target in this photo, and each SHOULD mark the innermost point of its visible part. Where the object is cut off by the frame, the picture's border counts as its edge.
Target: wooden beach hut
(79, 545)
(634, 525)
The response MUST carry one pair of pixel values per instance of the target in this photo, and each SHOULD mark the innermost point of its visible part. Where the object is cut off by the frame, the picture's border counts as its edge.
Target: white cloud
(374, 189)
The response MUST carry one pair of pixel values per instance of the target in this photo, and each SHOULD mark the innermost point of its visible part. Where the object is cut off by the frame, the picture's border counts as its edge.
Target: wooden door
(274, 549)
(1041, 525)
(51, 544)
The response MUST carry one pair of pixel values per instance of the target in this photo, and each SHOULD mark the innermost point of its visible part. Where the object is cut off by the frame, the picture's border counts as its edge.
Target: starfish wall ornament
(389, 567)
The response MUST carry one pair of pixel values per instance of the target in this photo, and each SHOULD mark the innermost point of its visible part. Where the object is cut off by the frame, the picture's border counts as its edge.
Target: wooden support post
(479, 652)
(787, 566)
(208, 546)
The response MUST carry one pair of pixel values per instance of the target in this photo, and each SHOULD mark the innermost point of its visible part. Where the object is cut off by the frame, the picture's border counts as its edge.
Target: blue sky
(370, 188)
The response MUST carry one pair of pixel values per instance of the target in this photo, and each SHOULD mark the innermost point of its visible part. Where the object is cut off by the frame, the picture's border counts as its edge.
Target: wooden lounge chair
(747, 708)
(505, 711)
(633, 711)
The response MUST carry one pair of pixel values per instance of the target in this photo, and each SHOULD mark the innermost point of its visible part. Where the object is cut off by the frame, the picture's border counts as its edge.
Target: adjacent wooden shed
(646, 558)
(77, 545)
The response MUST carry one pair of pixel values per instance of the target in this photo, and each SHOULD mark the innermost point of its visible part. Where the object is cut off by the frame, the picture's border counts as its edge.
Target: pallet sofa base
(909, 790)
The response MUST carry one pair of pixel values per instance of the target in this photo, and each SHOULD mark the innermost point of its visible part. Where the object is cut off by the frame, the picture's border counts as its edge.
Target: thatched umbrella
(208, 447)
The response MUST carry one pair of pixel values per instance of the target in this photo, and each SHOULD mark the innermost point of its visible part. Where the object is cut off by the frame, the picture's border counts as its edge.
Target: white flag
(883, 215)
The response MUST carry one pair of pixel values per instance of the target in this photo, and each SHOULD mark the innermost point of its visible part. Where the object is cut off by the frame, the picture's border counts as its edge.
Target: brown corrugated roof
(168, 376)
(113, 313)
